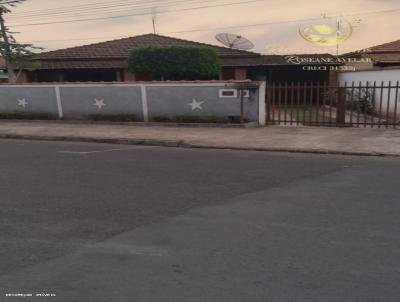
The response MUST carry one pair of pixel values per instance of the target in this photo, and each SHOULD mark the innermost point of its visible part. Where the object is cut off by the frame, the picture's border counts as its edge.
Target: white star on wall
(99, 103)
(22, 102)
(196, 105)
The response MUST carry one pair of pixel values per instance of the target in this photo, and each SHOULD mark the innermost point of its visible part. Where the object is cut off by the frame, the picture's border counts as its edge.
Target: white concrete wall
(371, 76)
(145, 100)
(390, 76)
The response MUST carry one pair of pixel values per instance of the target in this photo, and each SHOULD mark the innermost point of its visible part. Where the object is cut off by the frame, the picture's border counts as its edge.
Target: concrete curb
(139, 124)
(142, 142)
(183, 144)
(293, 150)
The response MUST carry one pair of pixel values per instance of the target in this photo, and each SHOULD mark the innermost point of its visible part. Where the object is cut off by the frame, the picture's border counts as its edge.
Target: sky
(272, 25)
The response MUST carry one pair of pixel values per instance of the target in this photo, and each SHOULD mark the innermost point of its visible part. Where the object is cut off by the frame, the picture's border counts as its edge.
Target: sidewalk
(274, 138)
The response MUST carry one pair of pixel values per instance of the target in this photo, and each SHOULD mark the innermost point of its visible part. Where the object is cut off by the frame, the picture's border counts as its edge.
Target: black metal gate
(316, 104)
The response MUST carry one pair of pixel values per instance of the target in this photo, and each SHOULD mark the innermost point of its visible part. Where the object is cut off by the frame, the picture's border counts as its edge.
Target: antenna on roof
(234, 41)
(154, 19)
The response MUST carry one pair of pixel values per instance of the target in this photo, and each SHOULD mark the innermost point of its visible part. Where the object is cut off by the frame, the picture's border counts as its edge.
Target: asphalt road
(93, 222)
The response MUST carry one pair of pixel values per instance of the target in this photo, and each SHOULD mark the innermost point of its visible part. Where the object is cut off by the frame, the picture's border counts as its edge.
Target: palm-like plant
(16, 55)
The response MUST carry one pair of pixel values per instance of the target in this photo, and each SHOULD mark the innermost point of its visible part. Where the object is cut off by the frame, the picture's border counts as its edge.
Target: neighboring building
(286, 68)
(381, 56)
(377, 76)
(386, 100)
(3, 74)
(106, 61)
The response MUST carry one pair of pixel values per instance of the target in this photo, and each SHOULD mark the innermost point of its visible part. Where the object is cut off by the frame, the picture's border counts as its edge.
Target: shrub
(113, 117)
(174, 62)
(196, 119)
(17, 115)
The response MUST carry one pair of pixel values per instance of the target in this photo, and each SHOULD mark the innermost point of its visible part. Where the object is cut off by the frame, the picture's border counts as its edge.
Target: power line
(97, 9)
(94, 6)
(145, 7)
(142, 7)
(73, 7)
(224, 28)
(133, 15)
(184, 31)
(282, 22)
(80, 39)
(149, 13)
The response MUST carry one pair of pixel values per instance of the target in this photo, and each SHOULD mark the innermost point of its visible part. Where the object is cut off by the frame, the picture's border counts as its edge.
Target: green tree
(174, 62)
(17, 56)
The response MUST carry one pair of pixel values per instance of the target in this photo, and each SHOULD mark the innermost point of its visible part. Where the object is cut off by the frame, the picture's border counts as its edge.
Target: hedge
(174, 62)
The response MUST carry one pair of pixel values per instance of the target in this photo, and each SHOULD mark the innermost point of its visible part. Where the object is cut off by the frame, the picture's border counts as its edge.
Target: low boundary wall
(145, 100)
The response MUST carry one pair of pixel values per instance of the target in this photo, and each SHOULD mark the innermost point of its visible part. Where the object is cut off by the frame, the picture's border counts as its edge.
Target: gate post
(262, 111)
(341, 107)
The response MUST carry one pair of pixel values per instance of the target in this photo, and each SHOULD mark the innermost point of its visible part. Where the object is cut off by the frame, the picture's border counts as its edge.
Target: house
(106, 61)
(377, 57)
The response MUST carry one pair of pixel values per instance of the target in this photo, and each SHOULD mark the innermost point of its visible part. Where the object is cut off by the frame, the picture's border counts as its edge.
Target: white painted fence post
(261, 104)
(144, 103)
(59, 104)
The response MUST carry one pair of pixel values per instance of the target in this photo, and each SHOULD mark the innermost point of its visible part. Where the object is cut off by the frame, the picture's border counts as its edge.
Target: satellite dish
(234, 41)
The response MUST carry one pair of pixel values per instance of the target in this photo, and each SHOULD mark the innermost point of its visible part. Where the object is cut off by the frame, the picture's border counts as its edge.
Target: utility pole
(12, 77)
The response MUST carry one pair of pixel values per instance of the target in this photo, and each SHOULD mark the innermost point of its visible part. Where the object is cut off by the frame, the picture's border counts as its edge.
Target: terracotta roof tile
(387, 47)
(255, 61)
(262, 60)
(385, 57)
(83, 64)
(384, 53)
(113, 54)
(120, 48)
